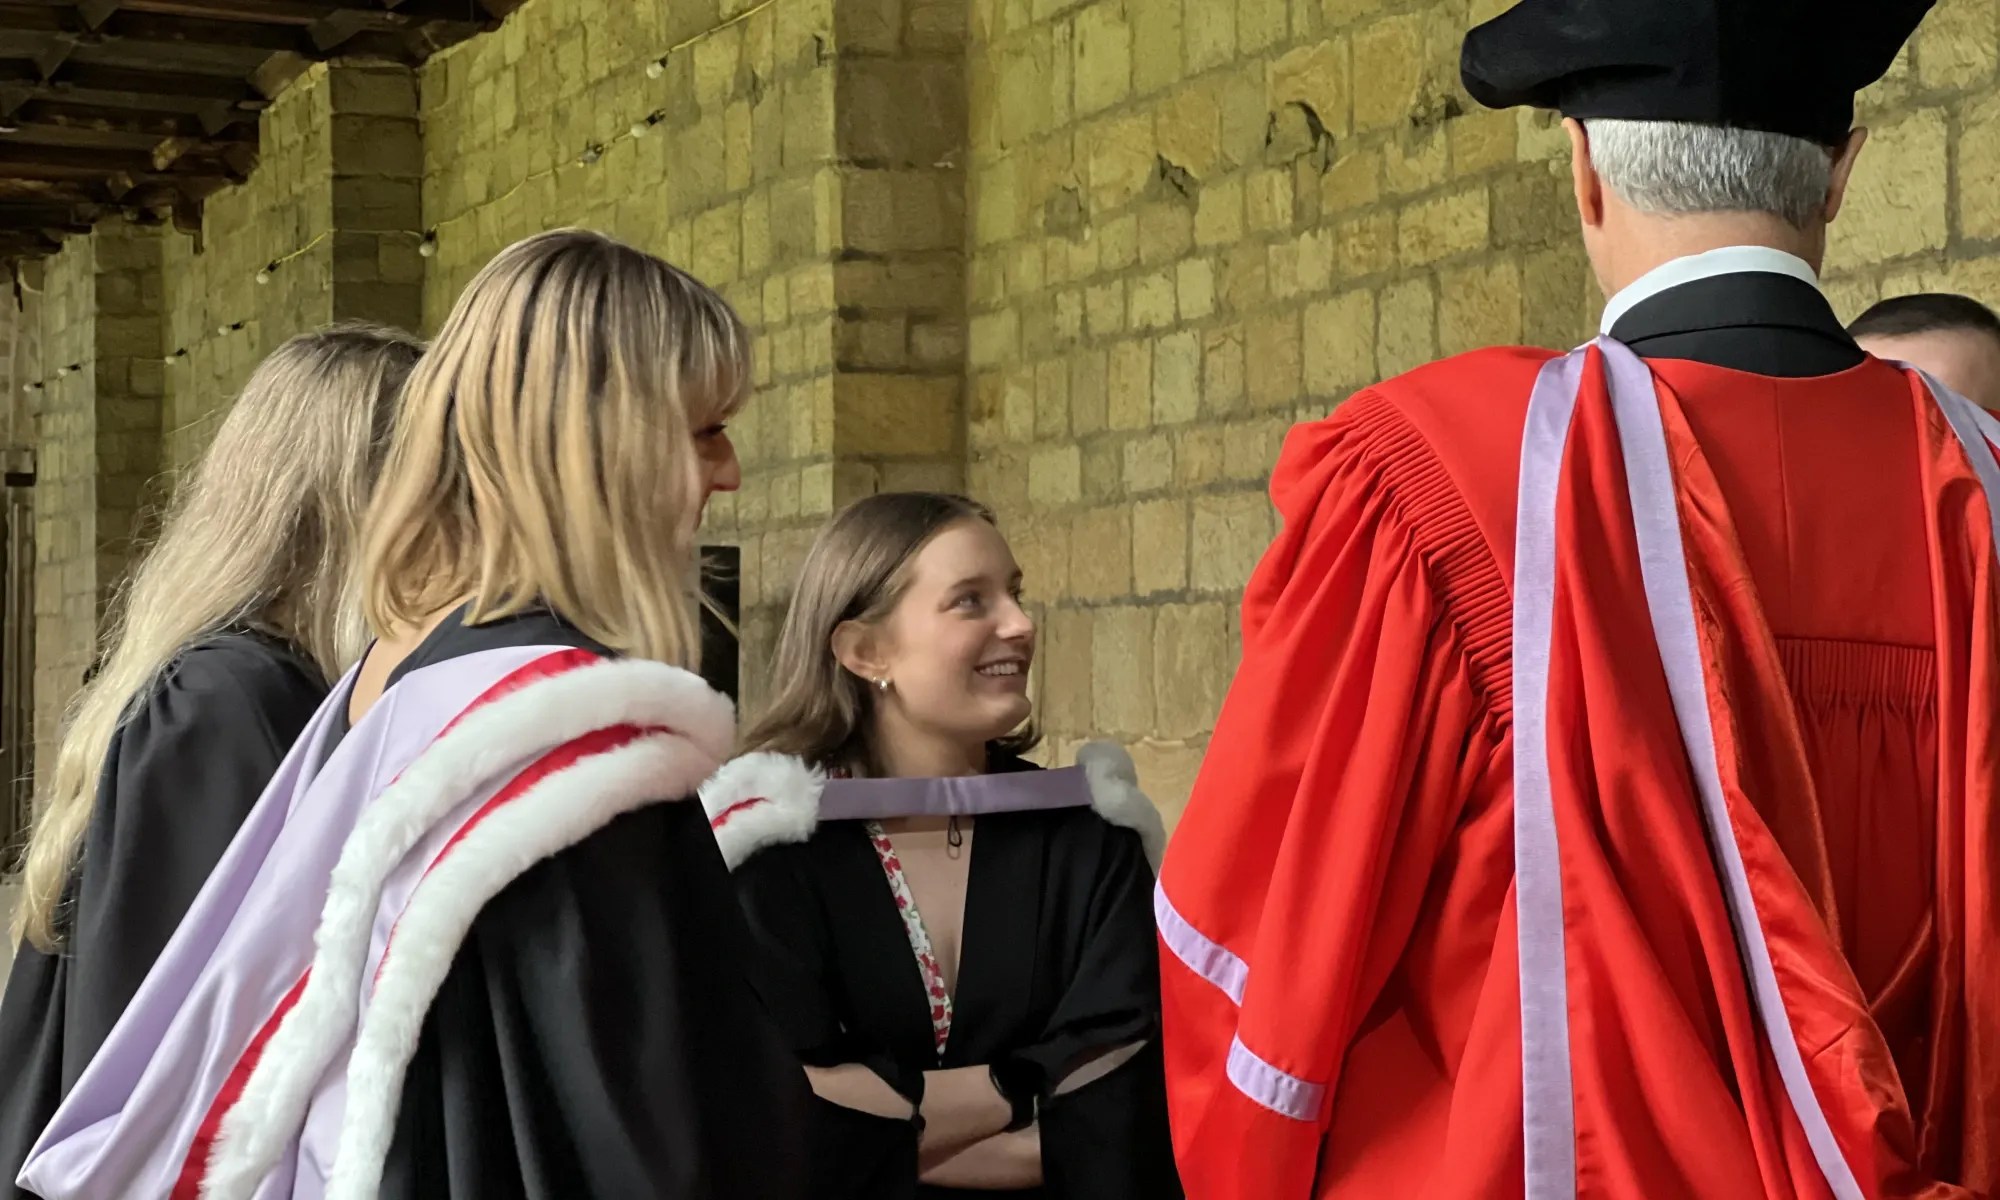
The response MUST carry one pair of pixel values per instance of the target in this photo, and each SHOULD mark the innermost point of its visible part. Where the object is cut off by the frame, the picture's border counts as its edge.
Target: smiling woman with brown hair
(959, 947)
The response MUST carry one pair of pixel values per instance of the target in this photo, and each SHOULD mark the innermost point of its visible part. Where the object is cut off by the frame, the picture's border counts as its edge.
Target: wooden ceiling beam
(17, 214)
(277, 12)
(176, 84)
(47, 110)
(199, 31)
(18, 161)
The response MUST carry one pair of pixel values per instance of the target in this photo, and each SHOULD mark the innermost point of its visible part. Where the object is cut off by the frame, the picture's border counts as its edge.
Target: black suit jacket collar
(1754, 321)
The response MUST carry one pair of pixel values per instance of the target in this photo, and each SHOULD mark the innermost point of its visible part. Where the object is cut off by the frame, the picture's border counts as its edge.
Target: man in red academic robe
(1604, 804)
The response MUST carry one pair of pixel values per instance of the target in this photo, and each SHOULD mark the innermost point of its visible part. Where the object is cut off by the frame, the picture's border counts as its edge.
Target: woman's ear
(857, 647)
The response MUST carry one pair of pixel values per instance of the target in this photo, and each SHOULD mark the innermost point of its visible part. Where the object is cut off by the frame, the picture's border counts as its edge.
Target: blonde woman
(222, 646)
(960, 947)
(480, 943)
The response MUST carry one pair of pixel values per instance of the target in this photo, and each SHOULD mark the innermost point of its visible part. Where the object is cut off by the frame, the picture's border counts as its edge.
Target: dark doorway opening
(721, 579)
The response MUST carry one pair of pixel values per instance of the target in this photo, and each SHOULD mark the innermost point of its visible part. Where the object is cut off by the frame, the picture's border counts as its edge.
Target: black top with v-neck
(1058, 959)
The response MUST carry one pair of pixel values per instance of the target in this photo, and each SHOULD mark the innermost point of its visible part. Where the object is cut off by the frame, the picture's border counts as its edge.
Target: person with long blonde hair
(958, 946)
(478, 942)
(219, 649)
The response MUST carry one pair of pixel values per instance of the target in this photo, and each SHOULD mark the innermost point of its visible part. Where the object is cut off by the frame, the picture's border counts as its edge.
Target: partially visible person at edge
(224, 641)
(476, 939)
(1954, 338)
(958, 945)
(1604, 803)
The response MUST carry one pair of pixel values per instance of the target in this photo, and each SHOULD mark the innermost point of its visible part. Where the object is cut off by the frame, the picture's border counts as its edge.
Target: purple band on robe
(973, 795)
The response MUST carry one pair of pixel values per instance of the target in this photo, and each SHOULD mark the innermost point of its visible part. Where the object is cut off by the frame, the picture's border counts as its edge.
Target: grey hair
(1675, 168)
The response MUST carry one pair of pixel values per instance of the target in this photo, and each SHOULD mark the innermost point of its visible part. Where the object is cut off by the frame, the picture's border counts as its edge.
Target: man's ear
(1583, 175)
(1843, 170)
(857, 647)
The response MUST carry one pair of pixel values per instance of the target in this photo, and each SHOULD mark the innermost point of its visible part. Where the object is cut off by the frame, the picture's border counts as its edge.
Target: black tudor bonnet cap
(1781, 66)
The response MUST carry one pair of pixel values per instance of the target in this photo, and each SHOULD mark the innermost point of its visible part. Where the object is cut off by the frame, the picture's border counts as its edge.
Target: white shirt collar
(1730, 260)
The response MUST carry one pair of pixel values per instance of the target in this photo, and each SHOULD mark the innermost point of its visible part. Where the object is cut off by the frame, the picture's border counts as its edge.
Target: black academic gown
(1058, 959)
(181, 774)
(597, 1037)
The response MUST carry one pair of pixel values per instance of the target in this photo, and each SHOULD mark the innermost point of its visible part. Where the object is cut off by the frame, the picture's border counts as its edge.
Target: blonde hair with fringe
(544, 454)
(264, 532)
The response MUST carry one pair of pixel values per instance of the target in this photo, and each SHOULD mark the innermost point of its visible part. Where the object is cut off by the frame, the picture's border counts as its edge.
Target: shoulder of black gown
(1104, 935)
(1109, 1138)
(30, 1058)
(597, 1036)
(191, 759)
(453, 638)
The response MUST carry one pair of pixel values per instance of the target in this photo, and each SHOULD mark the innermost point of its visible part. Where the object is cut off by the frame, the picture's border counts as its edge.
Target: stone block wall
(1087, 259)
(1193, 225)
(802, 156)
(146, 334)
(99, 415)
(1924, 206)
(334, 202)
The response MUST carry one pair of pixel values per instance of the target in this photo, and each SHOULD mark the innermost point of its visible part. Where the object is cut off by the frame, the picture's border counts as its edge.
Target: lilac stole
(972, 795)
(125, 1128)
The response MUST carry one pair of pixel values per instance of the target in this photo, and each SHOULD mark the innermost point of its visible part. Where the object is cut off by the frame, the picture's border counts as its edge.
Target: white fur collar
(763, 800)
(694, 726)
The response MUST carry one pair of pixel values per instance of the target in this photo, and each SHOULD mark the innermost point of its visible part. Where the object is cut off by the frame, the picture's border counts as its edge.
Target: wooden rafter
(149, 106)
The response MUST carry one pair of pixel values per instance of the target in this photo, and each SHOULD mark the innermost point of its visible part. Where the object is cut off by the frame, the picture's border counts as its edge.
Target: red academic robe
(1338, 903)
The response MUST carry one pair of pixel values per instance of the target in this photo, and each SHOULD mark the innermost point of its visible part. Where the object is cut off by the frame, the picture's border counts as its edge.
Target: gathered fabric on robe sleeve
(1366, 732)
(189, 762)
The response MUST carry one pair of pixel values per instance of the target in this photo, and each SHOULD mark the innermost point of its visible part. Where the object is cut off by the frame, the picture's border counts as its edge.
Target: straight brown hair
(857, 570)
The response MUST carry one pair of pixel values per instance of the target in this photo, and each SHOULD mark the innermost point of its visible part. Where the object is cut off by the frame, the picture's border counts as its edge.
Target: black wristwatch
(1018, 1084)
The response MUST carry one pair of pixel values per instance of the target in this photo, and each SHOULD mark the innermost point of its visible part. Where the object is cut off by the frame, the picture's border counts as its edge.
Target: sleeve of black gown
(1109, 1140)
(184, 771)
(30, 1059)
(855, 1155)
(597, 1038)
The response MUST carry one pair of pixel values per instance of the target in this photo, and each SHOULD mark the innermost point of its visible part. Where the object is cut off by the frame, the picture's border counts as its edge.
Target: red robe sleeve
(1370, 705)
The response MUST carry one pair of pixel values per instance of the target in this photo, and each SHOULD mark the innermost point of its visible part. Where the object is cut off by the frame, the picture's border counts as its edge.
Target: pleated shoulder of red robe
(1442, 445)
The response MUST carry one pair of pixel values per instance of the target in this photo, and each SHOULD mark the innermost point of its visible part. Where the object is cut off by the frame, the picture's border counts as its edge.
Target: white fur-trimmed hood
(764, 800)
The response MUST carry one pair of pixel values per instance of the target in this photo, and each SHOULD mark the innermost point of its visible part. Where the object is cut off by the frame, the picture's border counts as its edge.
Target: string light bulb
(428, 247)
(264, 276)
(656, 68)
(642, 128)
(591, 154)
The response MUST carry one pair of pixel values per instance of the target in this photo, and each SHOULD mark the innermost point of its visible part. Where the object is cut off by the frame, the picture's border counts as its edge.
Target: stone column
(852, 268)
(99, 414)
(899, 286)
(334, 204)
